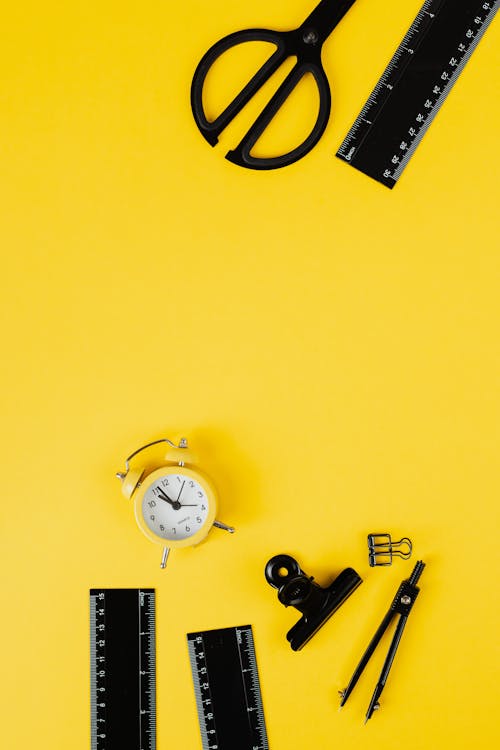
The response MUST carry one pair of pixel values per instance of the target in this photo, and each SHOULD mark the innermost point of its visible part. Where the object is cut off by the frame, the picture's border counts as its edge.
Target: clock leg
(164, 557)
(223, 526)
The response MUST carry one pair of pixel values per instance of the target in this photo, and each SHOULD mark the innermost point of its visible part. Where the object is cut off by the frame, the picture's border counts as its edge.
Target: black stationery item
(401, 605)
(381, 549)
(317, 604)
(227, 689)
(415, 84)
(122, 669)
(304, 44)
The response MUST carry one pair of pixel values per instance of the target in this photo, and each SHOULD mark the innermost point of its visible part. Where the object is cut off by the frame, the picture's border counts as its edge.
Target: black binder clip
(402, 604)
(317, 604)
(381, 549)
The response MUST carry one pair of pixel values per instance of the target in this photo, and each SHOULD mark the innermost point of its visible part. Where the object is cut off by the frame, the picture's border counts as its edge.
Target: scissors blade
(325, 17)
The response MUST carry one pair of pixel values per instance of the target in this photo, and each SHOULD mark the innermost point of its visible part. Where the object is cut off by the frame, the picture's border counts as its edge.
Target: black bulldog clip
(317, 604)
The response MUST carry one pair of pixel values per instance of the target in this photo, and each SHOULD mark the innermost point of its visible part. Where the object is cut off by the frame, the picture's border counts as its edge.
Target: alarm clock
(175, 503)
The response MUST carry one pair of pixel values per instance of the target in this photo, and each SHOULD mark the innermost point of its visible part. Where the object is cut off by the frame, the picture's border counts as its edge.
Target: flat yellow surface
(329, 348)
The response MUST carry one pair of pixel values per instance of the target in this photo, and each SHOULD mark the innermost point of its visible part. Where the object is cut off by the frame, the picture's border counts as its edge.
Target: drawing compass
(401, 605)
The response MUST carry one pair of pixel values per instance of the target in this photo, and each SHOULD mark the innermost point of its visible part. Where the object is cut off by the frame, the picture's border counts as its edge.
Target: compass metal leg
(164, 557)
(366, 657)
(374, 704)
(223, 526)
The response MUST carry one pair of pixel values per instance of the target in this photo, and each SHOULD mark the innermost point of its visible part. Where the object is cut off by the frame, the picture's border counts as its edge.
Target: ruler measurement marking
(444, 93)
(93, 681)
(254, 676)
(120, 618)
(198, 694)
(447, 49)
(152, 669)
(239, 638)
(224, 667)
(139, 625)
(392, 73)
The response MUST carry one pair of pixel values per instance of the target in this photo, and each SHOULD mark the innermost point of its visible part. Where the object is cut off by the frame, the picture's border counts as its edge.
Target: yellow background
(329, 347)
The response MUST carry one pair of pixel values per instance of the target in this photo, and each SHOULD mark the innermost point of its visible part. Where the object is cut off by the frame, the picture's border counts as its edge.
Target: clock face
(175, 507)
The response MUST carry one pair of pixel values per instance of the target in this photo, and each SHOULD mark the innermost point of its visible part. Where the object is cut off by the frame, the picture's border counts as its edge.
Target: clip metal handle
(381, 549)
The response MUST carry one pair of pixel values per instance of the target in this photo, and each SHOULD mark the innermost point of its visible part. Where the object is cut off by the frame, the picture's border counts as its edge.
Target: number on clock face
(175, 507)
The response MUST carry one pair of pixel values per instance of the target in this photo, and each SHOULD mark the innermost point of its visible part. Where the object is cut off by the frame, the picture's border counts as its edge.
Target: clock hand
(164, 496)
(180, 493)
(174, 503)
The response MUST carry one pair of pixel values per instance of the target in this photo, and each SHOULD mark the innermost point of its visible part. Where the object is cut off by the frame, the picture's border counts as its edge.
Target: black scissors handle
(303, 43)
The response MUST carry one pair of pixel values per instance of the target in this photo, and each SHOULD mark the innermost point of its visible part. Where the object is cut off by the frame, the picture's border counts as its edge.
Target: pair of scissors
(303, 43)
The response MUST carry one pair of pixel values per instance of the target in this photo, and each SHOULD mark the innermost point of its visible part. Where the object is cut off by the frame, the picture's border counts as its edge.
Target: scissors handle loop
(212, 129)
(308, 53)
(242, 156)
(303, 43)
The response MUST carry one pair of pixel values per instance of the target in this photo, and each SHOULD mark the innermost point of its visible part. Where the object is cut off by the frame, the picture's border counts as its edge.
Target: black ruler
(415, 84)
(122, 669)
(227, 689)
